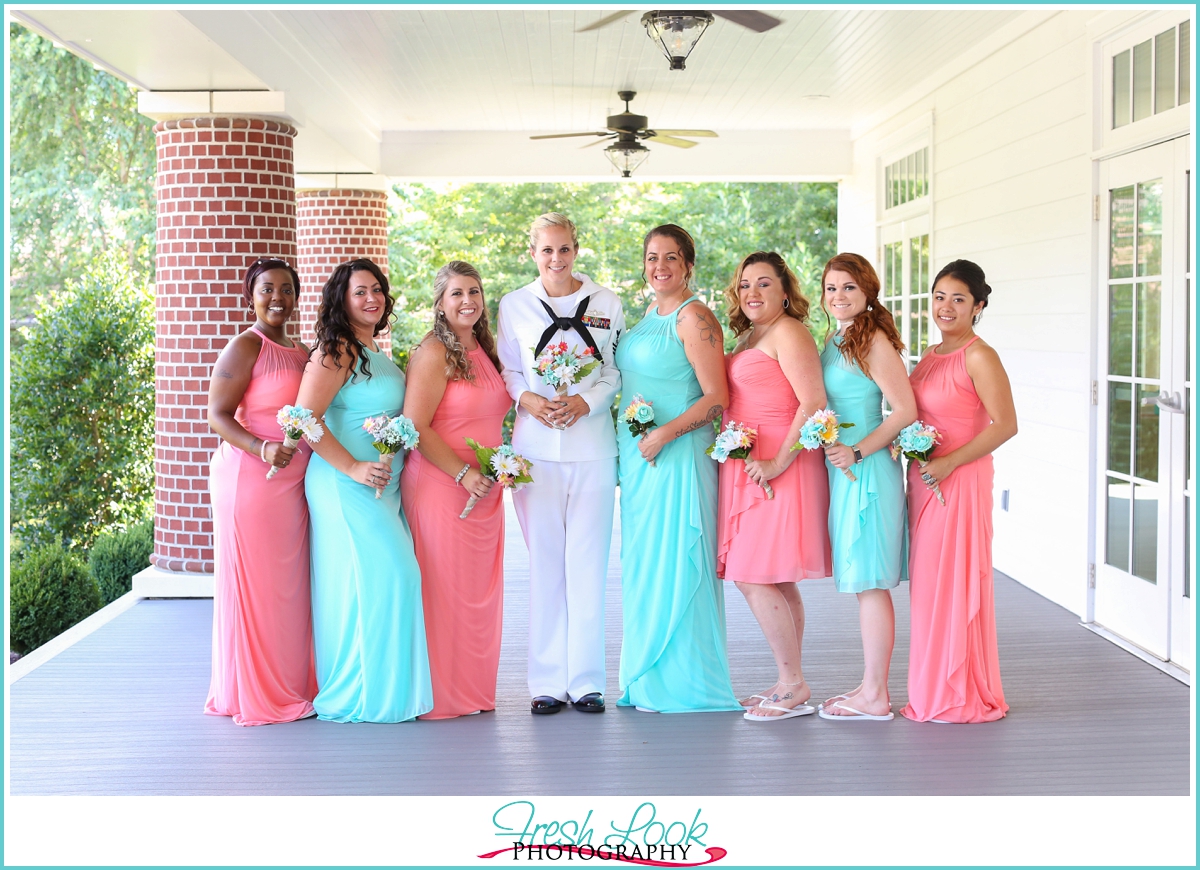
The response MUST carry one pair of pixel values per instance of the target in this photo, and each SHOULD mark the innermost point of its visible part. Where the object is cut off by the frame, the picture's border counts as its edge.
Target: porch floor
(119, 713)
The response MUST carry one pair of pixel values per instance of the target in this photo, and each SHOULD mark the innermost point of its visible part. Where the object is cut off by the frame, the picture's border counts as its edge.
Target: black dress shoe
(593, 702)
(546, 704)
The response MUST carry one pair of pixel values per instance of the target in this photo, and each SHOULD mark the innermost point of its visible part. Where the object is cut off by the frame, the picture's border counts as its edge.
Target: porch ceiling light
(626, 155)
(676, 32)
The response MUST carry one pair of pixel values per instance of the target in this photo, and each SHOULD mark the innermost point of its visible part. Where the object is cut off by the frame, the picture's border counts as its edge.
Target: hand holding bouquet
(916, 441)
(560, 367)
(734, 442)
(296, 423)
(390, 435)
(822, 429)
(503, 465)
(639, 414)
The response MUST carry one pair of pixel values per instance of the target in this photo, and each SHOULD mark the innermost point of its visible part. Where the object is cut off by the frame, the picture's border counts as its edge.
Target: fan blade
(568, 135)
(605, 21)
(599, 141)
(700, 134)
(671, 140)
(759, 22)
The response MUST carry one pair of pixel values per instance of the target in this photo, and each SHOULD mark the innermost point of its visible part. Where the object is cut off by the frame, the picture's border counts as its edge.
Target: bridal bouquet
(296, 423)
(734, 442)
(822, 429)
(639, 415)
(916, 441)
(391, 434)
(503, 465)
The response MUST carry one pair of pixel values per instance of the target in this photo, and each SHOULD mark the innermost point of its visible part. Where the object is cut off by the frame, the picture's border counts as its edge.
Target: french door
(1145, 393)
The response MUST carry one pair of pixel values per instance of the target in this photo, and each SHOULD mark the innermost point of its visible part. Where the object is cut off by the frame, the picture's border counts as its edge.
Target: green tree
(82, 163)
(487, 224)
(82, 412)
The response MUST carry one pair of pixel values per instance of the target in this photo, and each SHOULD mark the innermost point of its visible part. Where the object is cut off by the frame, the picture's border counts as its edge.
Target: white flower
(503, 464)
(564, 373)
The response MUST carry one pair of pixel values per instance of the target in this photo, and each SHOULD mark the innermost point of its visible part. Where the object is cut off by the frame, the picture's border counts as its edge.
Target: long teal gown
(866, 517)
(673, 656)
(368, 622)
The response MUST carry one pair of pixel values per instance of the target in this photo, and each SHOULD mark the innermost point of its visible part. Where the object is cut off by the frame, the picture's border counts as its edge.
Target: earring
(975, 320)
(441, 313)
(870, 307)
(787, 303)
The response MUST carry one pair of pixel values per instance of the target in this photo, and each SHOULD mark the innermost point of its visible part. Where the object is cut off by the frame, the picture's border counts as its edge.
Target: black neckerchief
(566, 324)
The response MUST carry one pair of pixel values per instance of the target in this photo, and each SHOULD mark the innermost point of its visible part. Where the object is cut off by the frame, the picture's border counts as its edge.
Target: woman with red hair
(862, 366)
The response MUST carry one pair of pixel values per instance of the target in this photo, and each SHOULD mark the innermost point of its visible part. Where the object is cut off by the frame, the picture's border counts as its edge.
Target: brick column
(226, 195)
(333, 226)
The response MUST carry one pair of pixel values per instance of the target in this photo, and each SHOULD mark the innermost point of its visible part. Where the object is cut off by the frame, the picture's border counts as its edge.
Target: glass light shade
(676, 33)
(626, 156)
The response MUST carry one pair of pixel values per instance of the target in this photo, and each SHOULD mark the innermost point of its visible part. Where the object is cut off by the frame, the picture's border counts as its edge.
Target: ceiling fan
(676, 31)
(626, 153)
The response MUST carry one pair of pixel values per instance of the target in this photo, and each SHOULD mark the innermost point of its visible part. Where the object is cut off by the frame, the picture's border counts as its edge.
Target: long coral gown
(262, 653)
(368, 626)
(462, 561)
(953, 661)
(866, 515)
(673, 657)
(786, 538)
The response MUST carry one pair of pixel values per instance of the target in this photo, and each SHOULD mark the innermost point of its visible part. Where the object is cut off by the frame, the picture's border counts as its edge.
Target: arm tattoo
(708, 331)
(714, 413)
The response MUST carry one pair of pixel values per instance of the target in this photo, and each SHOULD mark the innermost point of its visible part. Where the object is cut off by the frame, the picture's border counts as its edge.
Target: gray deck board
(119, 713)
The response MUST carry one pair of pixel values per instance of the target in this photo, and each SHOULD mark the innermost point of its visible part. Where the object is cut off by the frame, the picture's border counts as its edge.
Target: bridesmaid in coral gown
(963, 392)
(765, 546)
(455, 392)
(262, 658)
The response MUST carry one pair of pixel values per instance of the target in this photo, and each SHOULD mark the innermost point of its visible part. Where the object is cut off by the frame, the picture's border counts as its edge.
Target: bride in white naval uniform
(566, 514)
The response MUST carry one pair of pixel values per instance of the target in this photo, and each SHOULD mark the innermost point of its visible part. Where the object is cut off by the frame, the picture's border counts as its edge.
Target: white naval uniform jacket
(520, 325)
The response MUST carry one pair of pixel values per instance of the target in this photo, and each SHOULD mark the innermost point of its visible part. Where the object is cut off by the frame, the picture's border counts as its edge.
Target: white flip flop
(854, 714)
(786, 712)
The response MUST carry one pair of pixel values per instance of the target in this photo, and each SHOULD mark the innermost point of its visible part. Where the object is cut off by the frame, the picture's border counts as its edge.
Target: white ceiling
(395, 91)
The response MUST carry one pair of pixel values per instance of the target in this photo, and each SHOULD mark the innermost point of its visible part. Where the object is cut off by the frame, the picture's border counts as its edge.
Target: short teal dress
(368, 621)
(867, 517)
(673, 656)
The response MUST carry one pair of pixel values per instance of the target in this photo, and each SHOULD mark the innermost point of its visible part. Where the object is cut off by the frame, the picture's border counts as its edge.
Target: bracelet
(857, 455)
(262, 451)
(462, 474)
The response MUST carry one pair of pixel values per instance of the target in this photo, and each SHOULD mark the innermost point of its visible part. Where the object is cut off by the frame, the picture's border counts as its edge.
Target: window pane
(1120, 242)
(887, 187)
(1149, 228)
(1145, 532)
(924, 325)
(1120, 330)
(1141, 79)
(1120, 415)
(1149, 326)
(1121, 101)
(1116, 539)
(1164, 71)
(1185, 62)
(1146, 437)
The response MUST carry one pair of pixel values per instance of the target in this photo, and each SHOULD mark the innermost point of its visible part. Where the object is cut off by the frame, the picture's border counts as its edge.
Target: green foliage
(81, 178)
(117, 555)
(82, 411)
(487, 225)
(50, 590)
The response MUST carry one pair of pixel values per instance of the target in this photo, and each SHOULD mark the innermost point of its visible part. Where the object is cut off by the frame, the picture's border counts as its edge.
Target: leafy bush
(82, 412)
(117, 555)
(50, 590)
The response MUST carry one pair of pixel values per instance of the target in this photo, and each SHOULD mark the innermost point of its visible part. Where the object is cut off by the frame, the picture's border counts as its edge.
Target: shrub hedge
(51, 589)
(119, 554)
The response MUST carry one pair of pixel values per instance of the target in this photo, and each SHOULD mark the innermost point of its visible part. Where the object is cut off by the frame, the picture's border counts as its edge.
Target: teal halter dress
(867, 517)
(673, 657)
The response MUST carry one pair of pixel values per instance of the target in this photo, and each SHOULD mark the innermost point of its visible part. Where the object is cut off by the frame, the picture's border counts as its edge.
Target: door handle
(1164, 401)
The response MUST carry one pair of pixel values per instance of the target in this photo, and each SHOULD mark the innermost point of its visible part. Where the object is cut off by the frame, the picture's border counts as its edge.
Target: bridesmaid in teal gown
(862, 366)
(368, 623)
(673, 656)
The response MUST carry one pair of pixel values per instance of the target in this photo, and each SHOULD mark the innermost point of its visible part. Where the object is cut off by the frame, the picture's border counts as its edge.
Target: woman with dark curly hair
(368, 628)
(862, 367)
(455, 392)
(262, 633)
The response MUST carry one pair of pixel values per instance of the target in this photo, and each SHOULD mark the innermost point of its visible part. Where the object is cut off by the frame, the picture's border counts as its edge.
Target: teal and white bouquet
(296, 423)
(639, 415)
(822, 429)
(916, 441)
(503, 465)
(734, 442)
(391, 434)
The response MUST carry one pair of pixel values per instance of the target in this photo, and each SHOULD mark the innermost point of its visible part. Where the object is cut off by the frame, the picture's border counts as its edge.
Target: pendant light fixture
(676, 32)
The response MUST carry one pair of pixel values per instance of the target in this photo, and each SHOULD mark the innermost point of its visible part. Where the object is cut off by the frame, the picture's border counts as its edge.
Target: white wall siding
(1013, 192)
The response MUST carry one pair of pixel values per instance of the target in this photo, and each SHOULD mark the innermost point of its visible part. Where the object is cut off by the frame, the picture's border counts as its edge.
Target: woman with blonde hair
(765, 545)
(566, 514)
(455, 392)
(863, 366)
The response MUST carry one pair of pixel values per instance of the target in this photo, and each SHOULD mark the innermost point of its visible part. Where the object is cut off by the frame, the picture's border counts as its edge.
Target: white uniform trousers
(566, 516)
